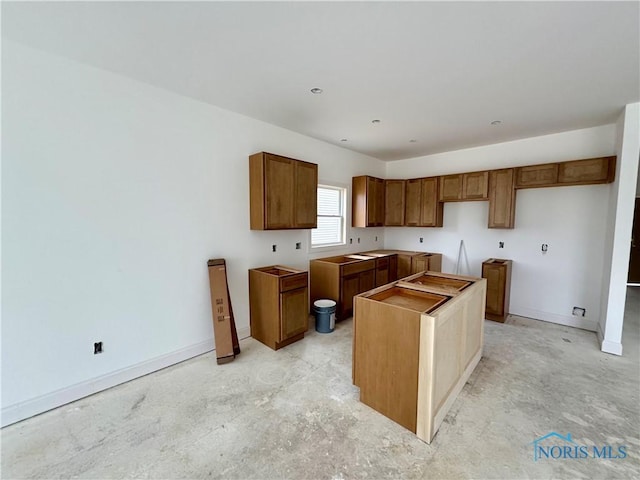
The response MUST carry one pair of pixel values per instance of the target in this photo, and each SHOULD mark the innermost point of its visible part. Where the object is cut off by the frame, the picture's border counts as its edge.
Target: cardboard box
(224, 328)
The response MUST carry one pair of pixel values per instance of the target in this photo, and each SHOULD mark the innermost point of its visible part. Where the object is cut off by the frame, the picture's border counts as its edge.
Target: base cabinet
(498, 274)
(415, 344)
(279, 305)
(341, 278)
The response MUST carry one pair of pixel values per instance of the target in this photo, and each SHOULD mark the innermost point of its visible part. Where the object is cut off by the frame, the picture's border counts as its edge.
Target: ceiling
(436, 75)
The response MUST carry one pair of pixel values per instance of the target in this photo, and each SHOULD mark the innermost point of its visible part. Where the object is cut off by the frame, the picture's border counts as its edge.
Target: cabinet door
(404, 266)
(378, 196)
(306, 195)
(496, 279)
(419, 264)
(393, 268)
(592, 170)
(502, 198)
(294, 312)
(537, 176)
(451, 188)
(366, 280)
(350, 287)
(279, 187)
(475, 186)
(394, 203)
(412, 202)
(431, 211)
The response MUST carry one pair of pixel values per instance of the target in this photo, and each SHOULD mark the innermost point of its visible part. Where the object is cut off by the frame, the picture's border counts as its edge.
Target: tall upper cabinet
(422, 207)
(367, 204)
(394, 203)
(502, 198)
(283, 192)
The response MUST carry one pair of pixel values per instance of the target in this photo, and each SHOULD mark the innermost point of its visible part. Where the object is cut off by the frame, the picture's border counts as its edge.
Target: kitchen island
(416, 342)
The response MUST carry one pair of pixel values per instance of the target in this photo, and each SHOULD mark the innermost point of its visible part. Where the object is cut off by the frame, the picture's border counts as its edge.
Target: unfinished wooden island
(415, 344)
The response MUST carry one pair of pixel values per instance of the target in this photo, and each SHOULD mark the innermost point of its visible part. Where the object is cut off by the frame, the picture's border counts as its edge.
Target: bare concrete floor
(295, 414)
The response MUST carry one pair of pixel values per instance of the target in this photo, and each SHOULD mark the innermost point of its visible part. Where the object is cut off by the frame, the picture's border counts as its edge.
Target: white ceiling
(438, 73)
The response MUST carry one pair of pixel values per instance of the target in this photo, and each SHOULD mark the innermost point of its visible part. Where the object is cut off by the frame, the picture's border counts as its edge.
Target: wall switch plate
(97, 348)
(298, 245)
(273, 248)
(421, 240)
(500, 244)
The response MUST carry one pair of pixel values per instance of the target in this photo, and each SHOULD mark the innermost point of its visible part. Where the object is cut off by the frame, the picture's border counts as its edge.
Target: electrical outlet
(545, 247)
(421, 240)
(500, 244)
(350, 241)
(579, 311)
(376, 239)
(97, 348)
(358, 239)
(273, 248)
(298, 245)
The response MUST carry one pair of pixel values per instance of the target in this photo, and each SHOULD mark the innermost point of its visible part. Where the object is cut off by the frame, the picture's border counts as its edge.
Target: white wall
(571, 220)
(619, 229)
(115, 194)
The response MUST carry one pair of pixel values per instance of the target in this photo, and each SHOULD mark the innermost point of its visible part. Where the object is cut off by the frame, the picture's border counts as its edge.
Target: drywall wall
(619, 230)
(570, 220)
(115, 194)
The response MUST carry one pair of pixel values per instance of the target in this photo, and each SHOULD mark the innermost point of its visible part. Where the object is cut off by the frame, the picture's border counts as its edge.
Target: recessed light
(496, 122)
(413, 140)
(375, 121)
(343, 139)
(316, 91)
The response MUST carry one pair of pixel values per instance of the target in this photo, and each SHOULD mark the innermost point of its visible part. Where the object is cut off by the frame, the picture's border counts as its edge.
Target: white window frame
(343, 203)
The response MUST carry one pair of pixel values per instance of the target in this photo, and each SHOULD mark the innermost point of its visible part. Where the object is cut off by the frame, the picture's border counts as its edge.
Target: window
(331, 217)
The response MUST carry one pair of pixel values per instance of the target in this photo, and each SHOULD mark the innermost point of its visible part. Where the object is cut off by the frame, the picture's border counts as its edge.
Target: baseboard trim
(607, 346)
(569, 321)
(34, 406)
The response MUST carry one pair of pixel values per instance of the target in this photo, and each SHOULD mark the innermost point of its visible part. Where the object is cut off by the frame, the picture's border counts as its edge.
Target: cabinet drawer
(292, 282)
(382, 263)
(358, 267)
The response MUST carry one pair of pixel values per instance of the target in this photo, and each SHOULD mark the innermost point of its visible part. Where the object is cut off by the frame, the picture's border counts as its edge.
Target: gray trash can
(325, 311)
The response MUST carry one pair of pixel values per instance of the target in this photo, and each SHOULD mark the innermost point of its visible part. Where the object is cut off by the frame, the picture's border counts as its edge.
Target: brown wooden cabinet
(394, 200)
(367, 201)
(451, 188)
(382, 271)
(278, 304)
(498, 274)
(475, 186)
(537, 175)
(422, 205)
(502, 198)
(283, 192)
(340, 278)
(588, 171)
(426, 262)
(464, 187)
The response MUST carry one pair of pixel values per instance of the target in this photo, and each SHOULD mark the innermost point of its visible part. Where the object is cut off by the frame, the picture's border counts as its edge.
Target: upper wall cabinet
(502, 198)
(283, 192)
(575, 172)
(367, 201)
(464, 187)
(394, 201)
(451, 188)
(422, 206)
(591, 170)
(475, 186)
